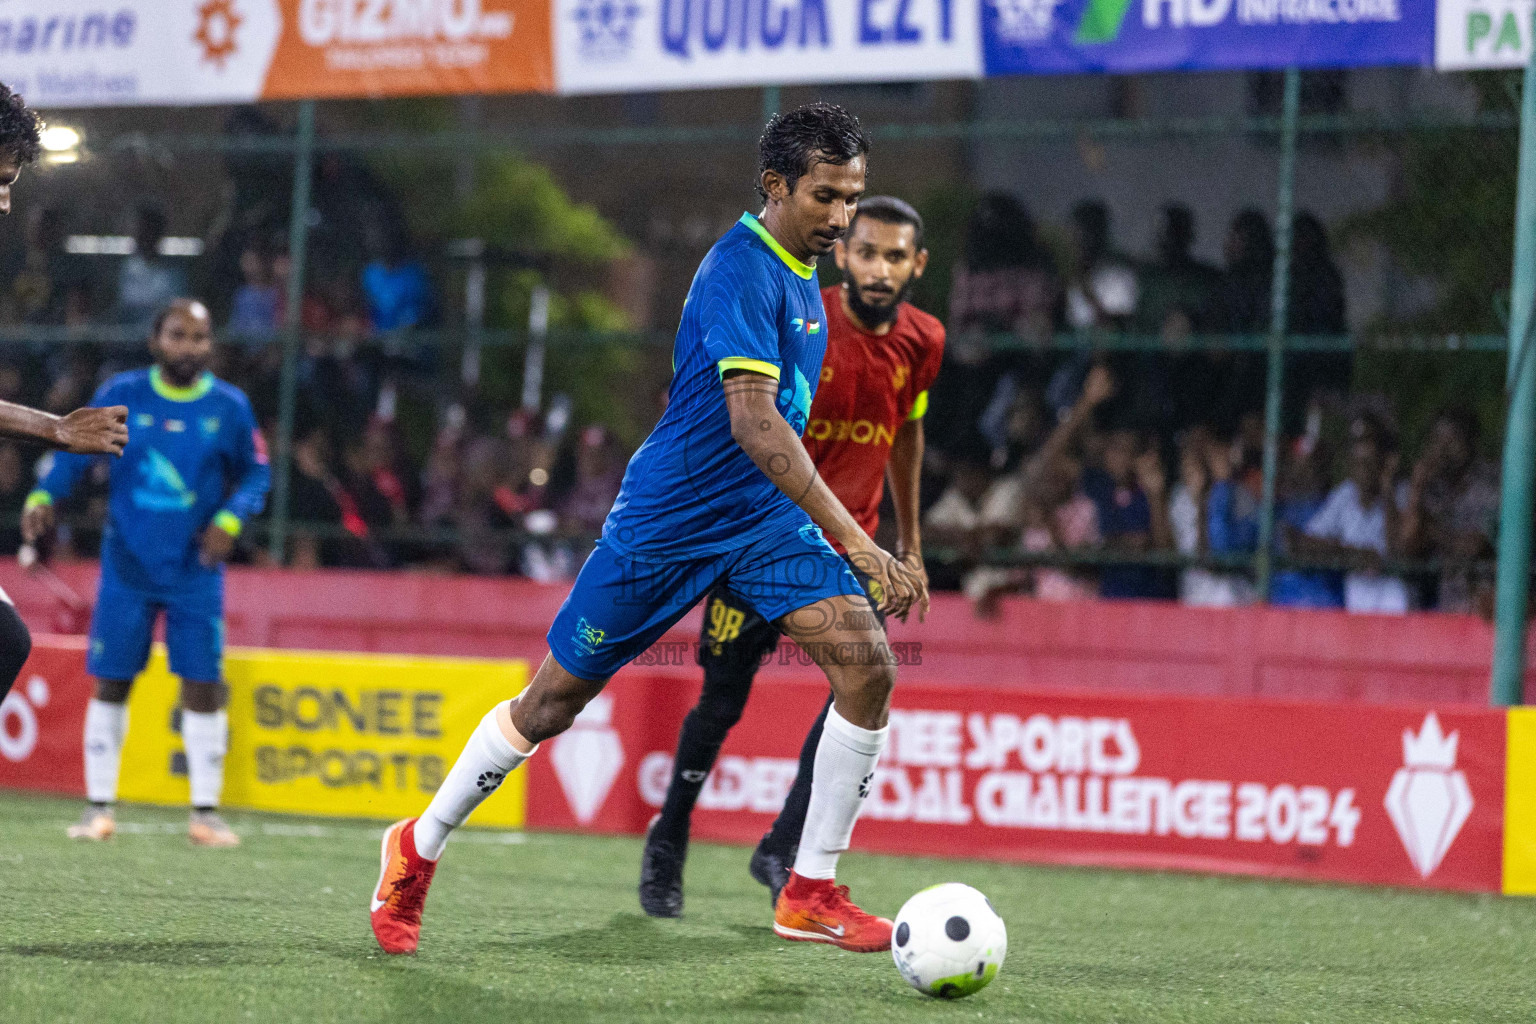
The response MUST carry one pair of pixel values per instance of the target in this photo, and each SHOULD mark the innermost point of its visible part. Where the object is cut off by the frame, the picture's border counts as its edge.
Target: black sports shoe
(661, 874)
(771, 869)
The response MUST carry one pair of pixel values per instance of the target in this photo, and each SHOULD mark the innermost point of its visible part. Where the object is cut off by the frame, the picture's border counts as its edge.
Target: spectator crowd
(1075, 471)
(1122, 472)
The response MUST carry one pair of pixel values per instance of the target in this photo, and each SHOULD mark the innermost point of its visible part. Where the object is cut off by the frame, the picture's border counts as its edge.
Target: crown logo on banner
(587, 759)
(1431, 748)
(1429, 800)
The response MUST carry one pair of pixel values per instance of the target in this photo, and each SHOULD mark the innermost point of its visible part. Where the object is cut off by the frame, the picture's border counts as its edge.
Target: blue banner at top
(1023, 37)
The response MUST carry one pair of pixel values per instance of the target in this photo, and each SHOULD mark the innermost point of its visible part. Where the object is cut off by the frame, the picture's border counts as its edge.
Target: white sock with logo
(205, 734)
(488, 758)
(845, 767)
(105, 726)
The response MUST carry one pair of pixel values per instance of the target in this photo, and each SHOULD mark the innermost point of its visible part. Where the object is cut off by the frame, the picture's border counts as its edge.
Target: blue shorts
(622, 603)
(124, 623)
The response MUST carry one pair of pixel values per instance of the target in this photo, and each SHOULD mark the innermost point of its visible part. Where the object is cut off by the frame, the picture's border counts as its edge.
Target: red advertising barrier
(42, 719)
(1103, 647)
(1398, 795)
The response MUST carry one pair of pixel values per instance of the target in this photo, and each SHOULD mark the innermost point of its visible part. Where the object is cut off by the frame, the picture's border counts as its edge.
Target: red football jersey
(870, 385)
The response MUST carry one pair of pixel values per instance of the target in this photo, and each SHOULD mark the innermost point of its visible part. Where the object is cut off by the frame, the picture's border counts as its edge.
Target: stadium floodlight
(61, 144)
(57, 138)
(124, 245)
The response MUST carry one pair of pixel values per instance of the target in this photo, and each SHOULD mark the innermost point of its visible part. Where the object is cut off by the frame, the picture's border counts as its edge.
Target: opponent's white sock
(845, 767)
(205, 734)
(105, 726)
(488, 757)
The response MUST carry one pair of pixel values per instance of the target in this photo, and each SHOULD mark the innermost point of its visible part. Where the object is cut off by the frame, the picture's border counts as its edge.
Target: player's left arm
(904, 474)
(904, 471)
(253, 478)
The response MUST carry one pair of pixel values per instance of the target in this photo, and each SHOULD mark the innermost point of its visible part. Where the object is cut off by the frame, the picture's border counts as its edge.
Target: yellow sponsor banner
(349, 735)
(1520, 803)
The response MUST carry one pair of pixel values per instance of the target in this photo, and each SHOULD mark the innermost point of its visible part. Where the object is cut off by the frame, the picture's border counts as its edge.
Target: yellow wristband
(37, 499)
(229, 523)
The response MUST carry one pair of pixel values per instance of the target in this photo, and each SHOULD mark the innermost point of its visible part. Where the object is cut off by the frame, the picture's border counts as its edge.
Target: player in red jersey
(865, 426)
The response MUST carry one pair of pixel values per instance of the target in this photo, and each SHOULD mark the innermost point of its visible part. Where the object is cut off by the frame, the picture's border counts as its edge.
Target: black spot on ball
(903, 933)
(948, 990)
(957, 928)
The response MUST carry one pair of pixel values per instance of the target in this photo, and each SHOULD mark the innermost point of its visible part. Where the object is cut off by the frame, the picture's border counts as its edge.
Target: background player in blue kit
(722, 491)
(193, 473)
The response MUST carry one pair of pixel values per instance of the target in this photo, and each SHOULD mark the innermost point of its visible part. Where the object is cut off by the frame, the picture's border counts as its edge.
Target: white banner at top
(628, 45)
(79, 53)
(1473, 34)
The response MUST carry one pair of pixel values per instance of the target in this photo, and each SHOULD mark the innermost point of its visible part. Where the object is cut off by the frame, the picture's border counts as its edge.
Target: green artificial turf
(545, 928)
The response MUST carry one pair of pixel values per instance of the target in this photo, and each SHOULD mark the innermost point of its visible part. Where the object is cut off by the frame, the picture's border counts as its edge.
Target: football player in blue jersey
(723, 491)
(84, 431)
(193, 474)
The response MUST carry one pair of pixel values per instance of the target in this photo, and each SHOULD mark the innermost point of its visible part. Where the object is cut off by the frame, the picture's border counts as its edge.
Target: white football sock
(105, 726)
(845, 767)
(488, 758)
(205, 734)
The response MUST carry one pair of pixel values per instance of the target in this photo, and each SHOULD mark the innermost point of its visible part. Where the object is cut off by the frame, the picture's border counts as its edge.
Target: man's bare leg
(506, 737)
(842, 636)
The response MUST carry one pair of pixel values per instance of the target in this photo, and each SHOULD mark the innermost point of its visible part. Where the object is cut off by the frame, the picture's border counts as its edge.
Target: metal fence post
(298, 241)
(474, 314)
(538, 339)
(1279, 299)
(1520, 430)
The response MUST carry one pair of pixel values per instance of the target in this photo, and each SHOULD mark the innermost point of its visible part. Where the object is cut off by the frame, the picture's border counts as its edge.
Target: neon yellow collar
(805, 270)
(191, 393)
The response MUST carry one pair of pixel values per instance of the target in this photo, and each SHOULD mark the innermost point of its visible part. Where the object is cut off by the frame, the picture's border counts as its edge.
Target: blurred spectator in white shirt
(147, 281)
(1203, 463)
(955, 519)
(1104, 292)
(1360, 524)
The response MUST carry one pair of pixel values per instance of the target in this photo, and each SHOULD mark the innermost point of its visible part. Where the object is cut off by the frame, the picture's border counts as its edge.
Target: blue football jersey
(194, 454)
(690, 491)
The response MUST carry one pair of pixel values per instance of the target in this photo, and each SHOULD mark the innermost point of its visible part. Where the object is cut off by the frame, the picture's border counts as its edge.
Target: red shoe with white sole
(819, 910)
(404, 877)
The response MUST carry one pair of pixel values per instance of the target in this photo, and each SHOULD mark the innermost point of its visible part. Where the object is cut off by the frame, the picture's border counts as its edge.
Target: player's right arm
(84, 431)
(770, 442)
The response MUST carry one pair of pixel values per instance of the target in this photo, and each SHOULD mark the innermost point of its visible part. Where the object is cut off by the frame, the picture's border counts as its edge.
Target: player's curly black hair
(810, 134)
(20, 128)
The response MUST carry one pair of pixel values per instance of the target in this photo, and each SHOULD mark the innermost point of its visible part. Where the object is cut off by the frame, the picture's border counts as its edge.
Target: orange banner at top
(74, 53)
(334, 48)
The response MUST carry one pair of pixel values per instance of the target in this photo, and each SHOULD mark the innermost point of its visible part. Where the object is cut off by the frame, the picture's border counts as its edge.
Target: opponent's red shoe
(817, 910)
(404, 877)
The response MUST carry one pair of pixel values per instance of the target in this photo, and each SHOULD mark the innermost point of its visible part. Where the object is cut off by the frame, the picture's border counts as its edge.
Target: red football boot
(818, 910)
(404, 877)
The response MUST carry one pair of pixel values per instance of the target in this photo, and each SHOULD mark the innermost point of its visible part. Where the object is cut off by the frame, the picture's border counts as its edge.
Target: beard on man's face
(183, 372)
(875, 308)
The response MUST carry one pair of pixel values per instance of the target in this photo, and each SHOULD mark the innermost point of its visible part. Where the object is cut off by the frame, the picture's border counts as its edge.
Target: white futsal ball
(948, 941)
